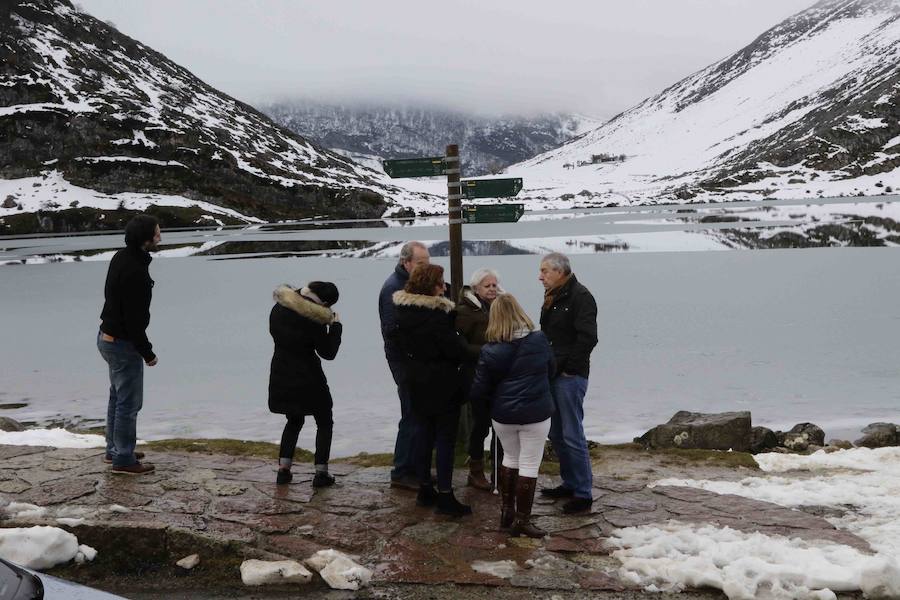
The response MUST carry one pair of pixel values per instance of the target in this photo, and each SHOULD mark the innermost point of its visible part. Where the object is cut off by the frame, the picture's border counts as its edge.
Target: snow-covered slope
(812, 107)
(105, 112)
(487, 144)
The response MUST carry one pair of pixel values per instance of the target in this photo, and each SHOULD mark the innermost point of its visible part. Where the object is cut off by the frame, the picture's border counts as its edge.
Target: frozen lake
(792, 335)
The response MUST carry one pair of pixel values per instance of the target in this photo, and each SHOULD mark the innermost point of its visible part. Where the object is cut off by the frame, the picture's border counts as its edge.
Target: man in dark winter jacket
(412, 254)
(569, 320)
(123, 344)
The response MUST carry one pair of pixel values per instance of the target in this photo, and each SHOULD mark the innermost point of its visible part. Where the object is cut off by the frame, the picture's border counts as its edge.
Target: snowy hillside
(83, 106)
(487, 144)
(811, 108)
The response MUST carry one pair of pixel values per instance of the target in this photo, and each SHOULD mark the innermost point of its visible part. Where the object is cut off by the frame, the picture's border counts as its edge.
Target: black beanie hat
(140, 229)
(325, 290)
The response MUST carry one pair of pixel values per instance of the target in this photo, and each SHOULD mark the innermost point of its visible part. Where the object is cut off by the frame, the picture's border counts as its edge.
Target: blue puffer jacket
(515, 378)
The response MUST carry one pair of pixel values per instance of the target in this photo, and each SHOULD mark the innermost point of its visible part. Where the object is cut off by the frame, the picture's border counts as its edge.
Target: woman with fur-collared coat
(304, 328)
(433, 351)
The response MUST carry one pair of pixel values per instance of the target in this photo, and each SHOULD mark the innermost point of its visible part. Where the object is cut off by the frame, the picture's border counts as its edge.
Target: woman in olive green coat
(472, 313)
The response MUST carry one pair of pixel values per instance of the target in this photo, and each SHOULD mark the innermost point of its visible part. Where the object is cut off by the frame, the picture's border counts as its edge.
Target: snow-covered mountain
(95, 124)
(810, 108)
(487, 144)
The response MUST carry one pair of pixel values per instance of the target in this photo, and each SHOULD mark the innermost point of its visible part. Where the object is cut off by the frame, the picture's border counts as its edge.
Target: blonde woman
(513, 375)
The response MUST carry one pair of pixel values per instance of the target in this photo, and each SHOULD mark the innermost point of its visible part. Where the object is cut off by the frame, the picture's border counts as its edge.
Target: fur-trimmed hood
(467, 295)
(403, 298)
(290, 298)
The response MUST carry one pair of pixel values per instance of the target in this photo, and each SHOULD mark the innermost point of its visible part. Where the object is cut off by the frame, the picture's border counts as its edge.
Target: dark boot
(447, 504)
(524, 499)
(477, 479)
(507, 486)
(284, 476)
(427, 495)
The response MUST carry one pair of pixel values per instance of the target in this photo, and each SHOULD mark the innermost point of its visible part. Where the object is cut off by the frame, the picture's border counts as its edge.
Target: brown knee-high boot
(476, 477)
(524, 499)
(508, 478)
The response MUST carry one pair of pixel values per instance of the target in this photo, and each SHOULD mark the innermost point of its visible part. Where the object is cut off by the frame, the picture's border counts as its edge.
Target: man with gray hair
(569, 320)
(412, 254)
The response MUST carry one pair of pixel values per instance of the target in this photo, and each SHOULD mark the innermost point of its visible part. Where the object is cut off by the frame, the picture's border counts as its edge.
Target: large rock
(880, 435)
(762, 439)
(718, 431)
(7, 424)
(814, 434)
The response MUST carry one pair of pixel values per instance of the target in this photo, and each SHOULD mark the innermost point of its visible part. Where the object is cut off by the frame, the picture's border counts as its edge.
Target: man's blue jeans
(126, 396)
(567, 434)
(405, 446)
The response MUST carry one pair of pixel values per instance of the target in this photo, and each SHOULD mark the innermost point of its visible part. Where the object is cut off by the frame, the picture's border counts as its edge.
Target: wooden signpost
(458, 190)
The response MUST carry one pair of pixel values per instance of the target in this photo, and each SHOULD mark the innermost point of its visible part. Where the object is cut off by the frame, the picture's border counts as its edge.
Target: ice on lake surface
(792, 335)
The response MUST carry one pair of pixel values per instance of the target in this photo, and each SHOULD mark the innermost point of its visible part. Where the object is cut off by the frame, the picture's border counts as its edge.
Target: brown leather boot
(508, 478)
(524, 499)
(477, 479)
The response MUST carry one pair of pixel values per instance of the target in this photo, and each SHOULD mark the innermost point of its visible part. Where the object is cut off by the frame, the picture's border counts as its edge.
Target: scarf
(550, 294)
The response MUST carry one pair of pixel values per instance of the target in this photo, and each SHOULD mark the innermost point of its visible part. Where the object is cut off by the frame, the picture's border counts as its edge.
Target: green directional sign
(493, 213)
(414, 167)
(491, 188)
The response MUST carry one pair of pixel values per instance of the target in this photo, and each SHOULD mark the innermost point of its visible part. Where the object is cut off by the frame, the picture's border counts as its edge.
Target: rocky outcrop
(112, 115)
(762, 439)
(7, 424)
(719, 431)
(880, 435)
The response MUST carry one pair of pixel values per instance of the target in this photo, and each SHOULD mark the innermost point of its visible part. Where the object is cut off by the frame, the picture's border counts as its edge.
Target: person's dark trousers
(126, 397)
(404, 448)
(436, 433)
(324, 428)
(567, 434)
(481, 424)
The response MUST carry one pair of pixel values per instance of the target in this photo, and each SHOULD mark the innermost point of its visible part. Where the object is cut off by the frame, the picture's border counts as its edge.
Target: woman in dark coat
(471, 321)
(304, 328)
(433, 351)
(513, 374)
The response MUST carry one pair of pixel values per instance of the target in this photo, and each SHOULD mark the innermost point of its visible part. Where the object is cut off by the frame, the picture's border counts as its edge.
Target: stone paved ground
(227, 508)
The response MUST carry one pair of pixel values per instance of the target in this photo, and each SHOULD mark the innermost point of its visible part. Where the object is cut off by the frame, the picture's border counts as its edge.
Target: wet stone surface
(235, 499)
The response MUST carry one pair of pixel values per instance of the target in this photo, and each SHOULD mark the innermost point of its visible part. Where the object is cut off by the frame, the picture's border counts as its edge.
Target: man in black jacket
(569, 320)
(123, 344)
(412, 254)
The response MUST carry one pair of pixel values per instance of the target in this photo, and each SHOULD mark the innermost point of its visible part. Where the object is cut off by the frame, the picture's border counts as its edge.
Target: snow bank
(42, 547)
(23, 510)
(55, 438)
(261, 572)
(339, 570)
(861, 486)
(675, 556)
(504, 569)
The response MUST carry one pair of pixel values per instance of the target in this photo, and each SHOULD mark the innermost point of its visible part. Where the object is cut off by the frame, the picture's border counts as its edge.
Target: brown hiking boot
(524, 499)
(135, 469)
(508, 478)
(477, 479)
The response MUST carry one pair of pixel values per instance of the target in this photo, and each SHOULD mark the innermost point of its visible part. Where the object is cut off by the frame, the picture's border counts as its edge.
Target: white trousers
(523, 446)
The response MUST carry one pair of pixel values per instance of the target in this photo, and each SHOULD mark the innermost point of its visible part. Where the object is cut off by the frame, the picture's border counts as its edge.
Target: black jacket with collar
(128, 291)
(432, 351)
(570, 323)
(302, 331)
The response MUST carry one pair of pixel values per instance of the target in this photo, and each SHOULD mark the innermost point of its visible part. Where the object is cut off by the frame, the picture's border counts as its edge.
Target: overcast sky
(598, 57)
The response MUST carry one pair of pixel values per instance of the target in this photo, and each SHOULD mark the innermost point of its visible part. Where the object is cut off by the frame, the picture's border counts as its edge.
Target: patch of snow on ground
(676, 556)
(261, 572)
(504, 569)
(42, 547)
(54, 438)
(339, 570)
(862, 485)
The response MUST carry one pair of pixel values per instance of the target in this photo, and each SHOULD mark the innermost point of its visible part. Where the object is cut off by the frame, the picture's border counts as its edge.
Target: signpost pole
(454, 210)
